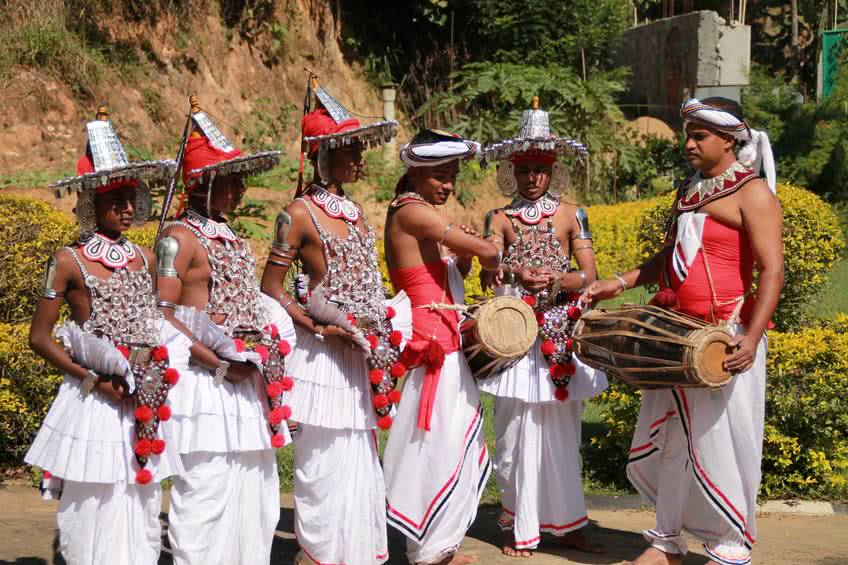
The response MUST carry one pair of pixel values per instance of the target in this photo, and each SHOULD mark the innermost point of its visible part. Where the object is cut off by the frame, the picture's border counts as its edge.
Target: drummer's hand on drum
(744, 349)
(601, 290)
(533, 280)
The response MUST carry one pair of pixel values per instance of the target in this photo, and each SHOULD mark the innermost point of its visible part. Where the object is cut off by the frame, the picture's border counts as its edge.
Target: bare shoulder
(148, 254)
(65, 262)
(415, 215)
(184, 236)
(297, 210)
(757, 196)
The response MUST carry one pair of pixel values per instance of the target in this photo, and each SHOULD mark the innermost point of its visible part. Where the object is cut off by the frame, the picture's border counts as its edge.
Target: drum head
(507, 327)
(709, 357)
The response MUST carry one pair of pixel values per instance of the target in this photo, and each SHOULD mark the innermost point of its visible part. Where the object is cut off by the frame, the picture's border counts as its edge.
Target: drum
(497, 334)
(653, 347)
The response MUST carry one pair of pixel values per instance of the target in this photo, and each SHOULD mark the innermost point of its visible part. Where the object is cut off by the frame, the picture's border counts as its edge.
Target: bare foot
(653, 556)
(458, 559)
(577, 540)
(509, 548)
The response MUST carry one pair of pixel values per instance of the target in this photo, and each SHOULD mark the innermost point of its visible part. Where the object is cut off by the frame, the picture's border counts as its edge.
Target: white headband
(439, 153)
(756, 150)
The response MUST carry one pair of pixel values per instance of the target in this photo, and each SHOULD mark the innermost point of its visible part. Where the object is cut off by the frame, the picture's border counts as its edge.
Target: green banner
(834, 54)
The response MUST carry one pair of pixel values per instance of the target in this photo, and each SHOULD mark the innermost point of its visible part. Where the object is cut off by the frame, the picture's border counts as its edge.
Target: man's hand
(601, 290)
(534, 280)
(239, 372)
(491, 278)
(742, 359)
(112, 387)
(338, 334)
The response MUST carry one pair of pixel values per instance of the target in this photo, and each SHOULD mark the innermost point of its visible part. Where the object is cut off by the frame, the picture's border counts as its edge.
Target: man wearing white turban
(696, 452)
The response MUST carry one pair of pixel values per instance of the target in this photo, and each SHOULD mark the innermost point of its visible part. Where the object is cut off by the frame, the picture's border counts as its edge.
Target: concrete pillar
(389, 95)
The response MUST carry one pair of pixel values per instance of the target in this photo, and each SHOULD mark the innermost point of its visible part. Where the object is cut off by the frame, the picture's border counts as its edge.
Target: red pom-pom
(287, 383)
(375, 376)
(381, 401)
(561, 393)
(352, 319)
(372, 341)
(143, 476)
(557, 371)
(530, 300)
(272, 329)
(160, 353)
(278, 441)
(124, 350)
(283, 347)
(390, 312)
(569, 344)
(384, 422)
(287, 411)
(570, 368)
(276, 415)
(394, 396)
(548, 347)
(172, 376)
(239, 345)
(573, 296)
(263, 352)
(274, 389)
(157, 446)
(398, 370)
(143, 413)
(164, 412)
(45, 474)
(574, 313)
(143, 447)
(395, 338)
(540, 318)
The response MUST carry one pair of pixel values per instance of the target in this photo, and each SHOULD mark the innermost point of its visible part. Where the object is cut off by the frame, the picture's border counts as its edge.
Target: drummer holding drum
(538, 394)
(697, 449)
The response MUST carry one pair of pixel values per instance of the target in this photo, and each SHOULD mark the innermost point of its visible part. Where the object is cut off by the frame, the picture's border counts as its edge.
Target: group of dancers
(184, 364)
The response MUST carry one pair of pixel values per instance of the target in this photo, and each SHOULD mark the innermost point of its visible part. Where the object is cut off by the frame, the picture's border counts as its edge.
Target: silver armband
(584, 232)
(487, 224)
(281, 232)
(166, 253)
(49, 278)
(166, 304)
(221, 371)
(88, 382)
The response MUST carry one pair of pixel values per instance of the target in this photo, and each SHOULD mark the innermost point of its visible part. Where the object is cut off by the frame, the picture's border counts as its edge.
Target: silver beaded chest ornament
(353, 282)
(536, 245)
(235, 294)
(123, 308)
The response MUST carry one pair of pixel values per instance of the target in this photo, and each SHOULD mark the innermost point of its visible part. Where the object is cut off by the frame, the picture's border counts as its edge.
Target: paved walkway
(28, 536)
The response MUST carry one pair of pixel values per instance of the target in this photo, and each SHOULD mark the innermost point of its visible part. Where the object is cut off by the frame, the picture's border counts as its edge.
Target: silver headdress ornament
(247, 165)
(534, 135)
(372, 135)
(111, 165)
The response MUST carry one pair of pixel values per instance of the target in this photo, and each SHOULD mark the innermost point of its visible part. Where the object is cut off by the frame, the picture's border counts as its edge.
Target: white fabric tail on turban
(756, 150)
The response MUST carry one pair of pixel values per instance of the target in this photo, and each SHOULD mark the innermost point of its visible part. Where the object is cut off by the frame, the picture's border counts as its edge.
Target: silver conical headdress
(111, 165)
(534, 135)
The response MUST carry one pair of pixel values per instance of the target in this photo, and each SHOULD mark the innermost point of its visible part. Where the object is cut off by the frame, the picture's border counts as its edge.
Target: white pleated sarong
(110, 524)
(696, 455)
(225, 509)
(90, 439)
(339, 496)
(229, 417)
(538, 466)
(434, 479)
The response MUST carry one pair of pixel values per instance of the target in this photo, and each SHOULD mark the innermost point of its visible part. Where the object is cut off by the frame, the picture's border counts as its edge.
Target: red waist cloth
(435, 333)
(731, 264)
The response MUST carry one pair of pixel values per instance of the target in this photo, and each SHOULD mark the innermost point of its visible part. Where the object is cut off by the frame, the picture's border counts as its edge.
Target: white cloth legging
(538, 466)
(110, 523)
(225, 508)
(339, 496)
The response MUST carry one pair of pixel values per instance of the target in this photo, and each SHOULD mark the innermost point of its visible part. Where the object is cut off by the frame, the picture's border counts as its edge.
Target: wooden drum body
(653, 347)
(497, 334)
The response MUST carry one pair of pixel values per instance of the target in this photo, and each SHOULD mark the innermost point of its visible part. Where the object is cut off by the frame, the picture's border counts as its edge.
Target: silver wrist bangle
(622, 282)
(88, 382)
(221, 371)
(445, 233)
(194, 340)
(583, 279)
(166, 304)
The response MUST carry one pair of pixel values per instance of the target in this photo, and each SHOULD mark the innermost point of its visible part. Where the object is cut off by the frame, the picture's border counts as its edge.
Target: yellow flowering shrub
(615, 228)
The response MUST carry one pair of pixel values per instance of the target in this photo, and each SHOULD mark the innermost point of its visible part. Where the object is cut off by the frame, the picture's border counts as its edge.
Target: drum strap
(739, 300)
